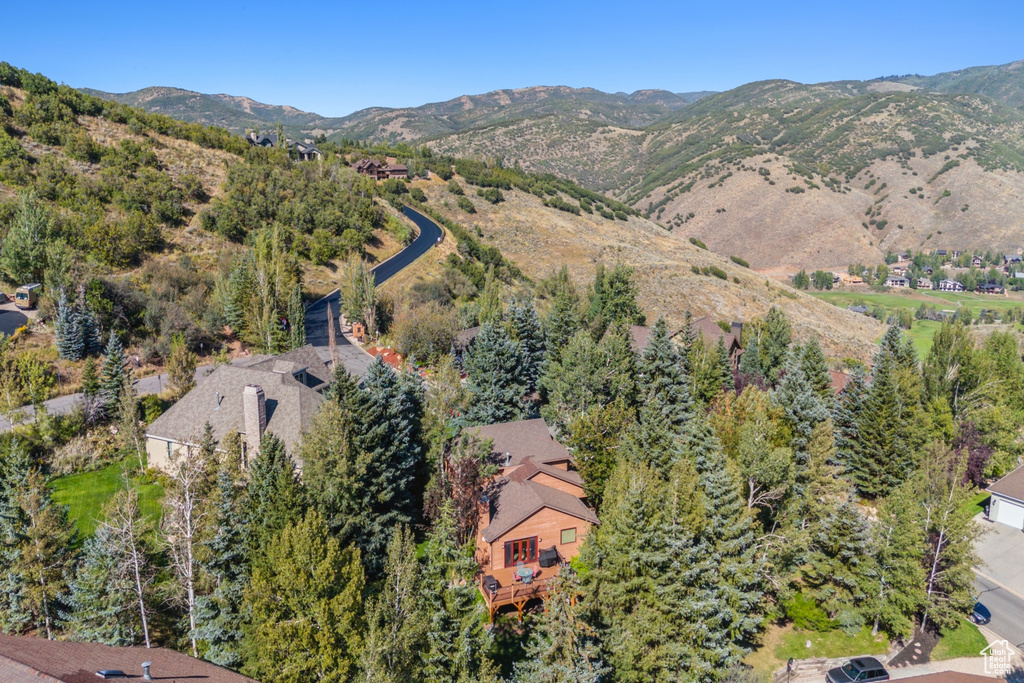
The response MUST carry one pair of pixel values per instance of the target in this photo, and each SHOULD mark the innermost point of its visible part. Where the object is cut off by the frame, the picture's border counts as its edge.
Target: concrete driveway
(1001, 548)
(999, 580)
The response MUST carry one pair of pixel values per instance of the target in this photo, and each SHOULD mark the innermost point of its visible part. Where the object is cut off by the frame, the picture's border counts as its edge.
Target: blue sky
(337, 57)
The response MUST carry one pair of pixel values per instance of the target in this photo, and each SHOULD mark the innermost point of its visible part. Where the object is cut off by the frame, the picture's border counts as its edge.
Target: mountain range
(783, 174)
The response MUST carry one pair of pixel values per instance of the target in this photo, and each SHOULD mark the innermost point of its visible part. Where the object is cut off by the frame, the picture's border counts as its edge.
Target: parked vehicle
(980, 614)
(27, 295)
(859, 670)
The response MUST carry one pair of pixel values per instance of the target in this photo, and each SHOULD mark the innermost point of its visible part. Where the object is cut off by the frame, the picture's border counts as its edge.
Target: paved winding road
(356, 360)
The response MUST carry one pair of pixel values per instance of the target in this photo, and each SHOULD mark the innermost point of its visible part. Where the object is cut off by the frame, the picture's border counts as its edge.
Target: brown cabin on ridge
(533, 514)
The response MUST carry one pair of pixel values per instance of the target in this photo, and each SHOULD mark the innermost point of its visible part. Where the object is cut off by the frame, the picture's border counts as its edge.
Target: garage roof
(1010, 486)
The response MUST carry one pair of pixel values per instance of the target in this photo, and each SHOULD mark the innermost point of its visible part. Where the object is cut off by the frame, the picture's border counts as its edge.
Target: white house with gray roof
(280, 395)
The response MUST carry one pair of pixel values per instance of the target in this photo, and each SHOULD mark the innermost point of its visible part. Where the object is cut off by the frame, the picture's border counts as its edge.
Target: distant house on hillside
(940, 252)
(951, 286)
(1013, 259)
(897, 281)
(380, 171)
(990, 288)
(262, 139)
(924, 283)
(976, 261)
(279, 395)
(304, 151)
(533, 515)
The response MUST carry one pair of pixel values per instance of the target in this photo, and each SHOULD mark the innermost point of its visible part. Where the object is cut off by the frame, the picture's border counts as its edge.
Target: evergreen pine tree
(846, 413)
(92, 338)
(563, 648)
(67, 329)
(304, 607)
(574, 381)
(724, 366)
(688, 337)
(815, 367)
(526, 329)
(456, 640)
(335, 462)
(664, 378)
(391, 441)
(730, 531)
(274, 496)
(803, 410)
(750, 362)
(113, 375)
(838, 569)
(625, 556)
(898, 545)
(101, 604)
(496, 378)
(396, 628)
(15, 467)
(90, 382)
(181, 367)
(226, 567)
(564, 318)
(775, 334)
(46, 555)
(883, 455)
(620, 370)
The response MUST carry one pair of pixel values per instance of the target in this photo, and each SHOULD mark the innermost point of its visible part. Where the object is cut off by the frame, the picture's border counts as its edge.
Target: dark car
(859, 670)
(980, 614)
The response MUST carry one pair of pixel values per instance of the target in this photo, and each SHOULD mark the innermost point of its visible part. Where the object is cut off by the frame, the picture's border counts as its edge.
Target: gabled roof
(521, 440)
(711, 332)
(530, 468)
(24, 659)
(303, 357)
(291, 407)
(518, 501)
(839, 380)
(1010, 486)
(639, 334)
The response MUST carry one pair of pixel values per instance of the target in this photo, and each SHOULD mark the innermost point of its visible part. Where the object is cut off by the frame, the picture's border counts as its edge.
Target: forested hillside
(739, 497)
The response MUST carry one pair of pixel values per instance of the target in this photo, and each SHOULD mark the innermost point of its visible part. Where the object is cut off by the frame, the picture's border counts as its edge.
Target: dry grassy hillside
(781, 231)
(540, 239)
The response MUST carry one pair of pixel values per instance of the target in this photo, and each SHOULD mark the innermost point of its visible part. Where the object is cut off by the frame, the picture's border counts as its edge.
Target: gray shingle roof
(24, 658)
(1011, 486)
(521, 440)
(518, 501)
(291, 407)
(302, 357)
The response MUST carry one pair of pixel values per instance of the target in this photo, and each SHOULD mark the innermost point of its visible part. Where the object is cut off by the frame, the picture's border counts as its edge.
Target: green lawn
(975, 503)
(964, 641)
(830, 644)
(923, 334)
(85, 495)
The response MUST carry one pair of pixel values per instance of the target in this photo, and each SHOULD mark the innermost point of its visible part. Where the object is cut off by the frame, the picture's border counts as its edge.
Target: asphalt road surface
(11, 319)
(1007, 608)
(355, 360)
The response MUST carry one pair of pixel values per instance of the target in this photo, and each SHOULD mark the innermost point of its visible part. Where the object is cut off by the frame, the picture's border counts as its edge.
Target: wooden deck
(515, 593)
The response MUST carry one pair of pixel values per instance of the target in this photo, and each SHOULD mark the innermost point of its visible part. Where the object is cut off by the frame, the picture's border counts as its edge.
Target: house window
(568, 536)
(524, 550)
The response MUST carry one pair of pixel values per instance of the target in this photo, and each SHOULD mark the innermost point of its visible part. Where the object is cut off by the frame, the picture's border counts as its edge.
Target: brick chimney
(254, 410)
(737, 330)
